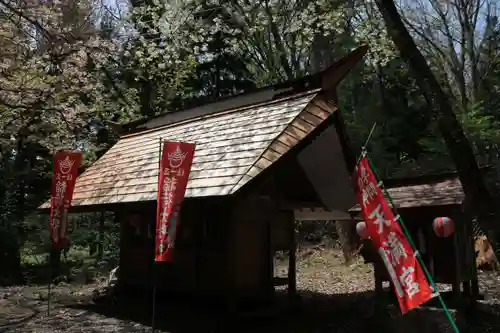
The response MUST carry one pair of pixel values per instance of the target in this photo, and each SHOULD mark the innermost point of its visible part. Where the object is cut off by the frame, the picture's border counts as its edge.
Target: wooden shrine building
(419, 200)
(259, 156)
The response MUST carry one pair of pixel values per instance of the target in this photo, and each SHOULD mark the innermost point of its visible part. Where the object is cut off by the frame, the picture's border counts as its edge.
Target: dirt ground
(335, 298)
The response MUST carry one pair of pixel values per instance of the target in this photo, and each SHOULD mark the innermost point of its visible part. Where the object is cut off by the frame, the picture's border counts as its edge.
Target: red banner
(175, 166)
(409, 281)
(66, 164)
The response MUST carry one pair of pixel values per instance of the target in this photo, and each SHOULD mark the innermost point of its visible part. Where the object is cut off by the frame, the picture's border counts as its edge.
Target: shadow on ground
(351, 313)
(9, 321)
(314, 313)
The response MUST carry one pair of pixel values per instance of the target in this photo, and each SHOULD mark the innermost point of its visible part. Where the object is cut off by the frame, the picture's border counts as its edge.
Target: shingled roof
(231, 148)
(438, 189)
(436, 193)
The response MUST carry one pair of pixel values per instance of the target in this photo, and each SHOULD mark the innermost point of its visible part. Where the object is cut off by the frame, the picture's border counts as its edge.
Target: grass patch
(78, 265)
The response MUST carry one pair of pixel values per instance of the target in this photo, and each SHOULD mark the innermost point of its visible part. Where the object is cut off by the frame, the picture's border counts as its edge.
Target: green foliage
(83, 262)
(60, 88)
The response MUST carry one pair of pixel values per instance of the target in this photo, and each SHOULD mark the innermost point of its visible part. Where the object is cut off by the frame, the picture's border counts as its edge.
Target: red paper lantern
(443, 226)
(362, 230)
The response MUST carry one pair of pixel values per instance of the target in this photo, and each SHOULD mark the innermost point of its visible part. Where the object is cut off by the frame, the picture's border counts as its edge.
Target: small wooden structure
(259, 157)
(419, 201)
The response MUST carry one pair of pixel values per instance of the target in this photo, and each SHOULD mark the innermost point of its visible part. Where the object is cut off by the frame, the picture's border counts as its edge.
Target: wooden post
(430, 250)
(378, 274)
(200, 234)
(292, 260)
(458, 262)
(382, 321)
(474, 283)
(269, 258)
(468, 254)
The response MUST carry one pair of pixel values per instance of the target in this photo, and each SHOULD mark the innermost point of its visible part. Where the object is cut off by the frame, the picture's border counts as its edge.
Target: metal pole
(49, 287)
(369, 136)
(364, 147)
(154, 298)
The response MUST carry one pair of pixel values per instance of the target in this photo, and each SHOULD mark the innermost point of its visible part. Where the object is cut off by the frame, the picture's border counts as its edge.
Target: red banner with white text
(66, 164)
(410, 284)
(175, 166)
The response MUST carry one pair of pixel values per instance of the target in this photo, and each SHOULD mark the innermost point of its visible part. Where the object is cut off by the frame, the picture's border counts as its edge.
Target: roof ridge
(270, 143)
(303, 83)
(224, 112)
(308, 82)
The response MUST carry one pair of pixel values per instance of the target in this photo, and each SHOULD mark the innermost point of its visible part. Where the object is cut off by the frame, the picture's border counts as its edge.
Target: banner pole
(65, 171)
(363, 148)
(412, 244)
(154, 297)
(153, 268)
(49, 286)
(370, 135)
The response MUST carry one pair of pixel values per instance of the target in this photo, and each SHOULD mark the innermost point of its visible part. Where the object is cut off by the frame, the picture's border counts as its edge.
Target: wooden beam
(292, 260)
(319, 214)
(458, 258)
(256, 183)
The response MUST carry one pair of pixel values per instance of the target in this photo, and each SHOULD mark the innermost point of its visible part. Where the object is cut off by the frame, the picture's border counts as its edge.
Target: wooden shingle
(232, 147)
(439, 193)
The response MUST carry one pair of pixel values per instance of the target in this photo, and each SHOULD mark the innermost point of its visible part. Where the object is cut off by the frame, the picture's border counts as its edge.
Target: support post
(458, 267)
(378, 275)
(431, 250)
(268, 270)
(474, 283)
(292, 260)
(381, 312)
(470, 254)
(49, 289)
(468, 258)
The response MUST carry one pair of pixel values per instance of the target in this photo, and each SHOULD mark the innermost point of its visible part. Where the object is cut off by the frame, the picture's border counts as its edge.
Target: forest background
(69, 70)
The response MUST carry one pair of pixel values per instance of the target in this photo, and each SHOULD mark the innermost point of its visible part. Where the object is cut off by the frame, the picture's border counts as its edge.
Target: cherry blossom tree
(58, 72)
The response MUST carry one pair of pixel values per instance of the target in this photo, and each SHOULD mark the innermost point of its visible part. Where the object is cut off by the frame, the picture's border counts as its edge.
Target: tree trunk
(349, 241)
(457, 143)
(20, 213)
(147, 86)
